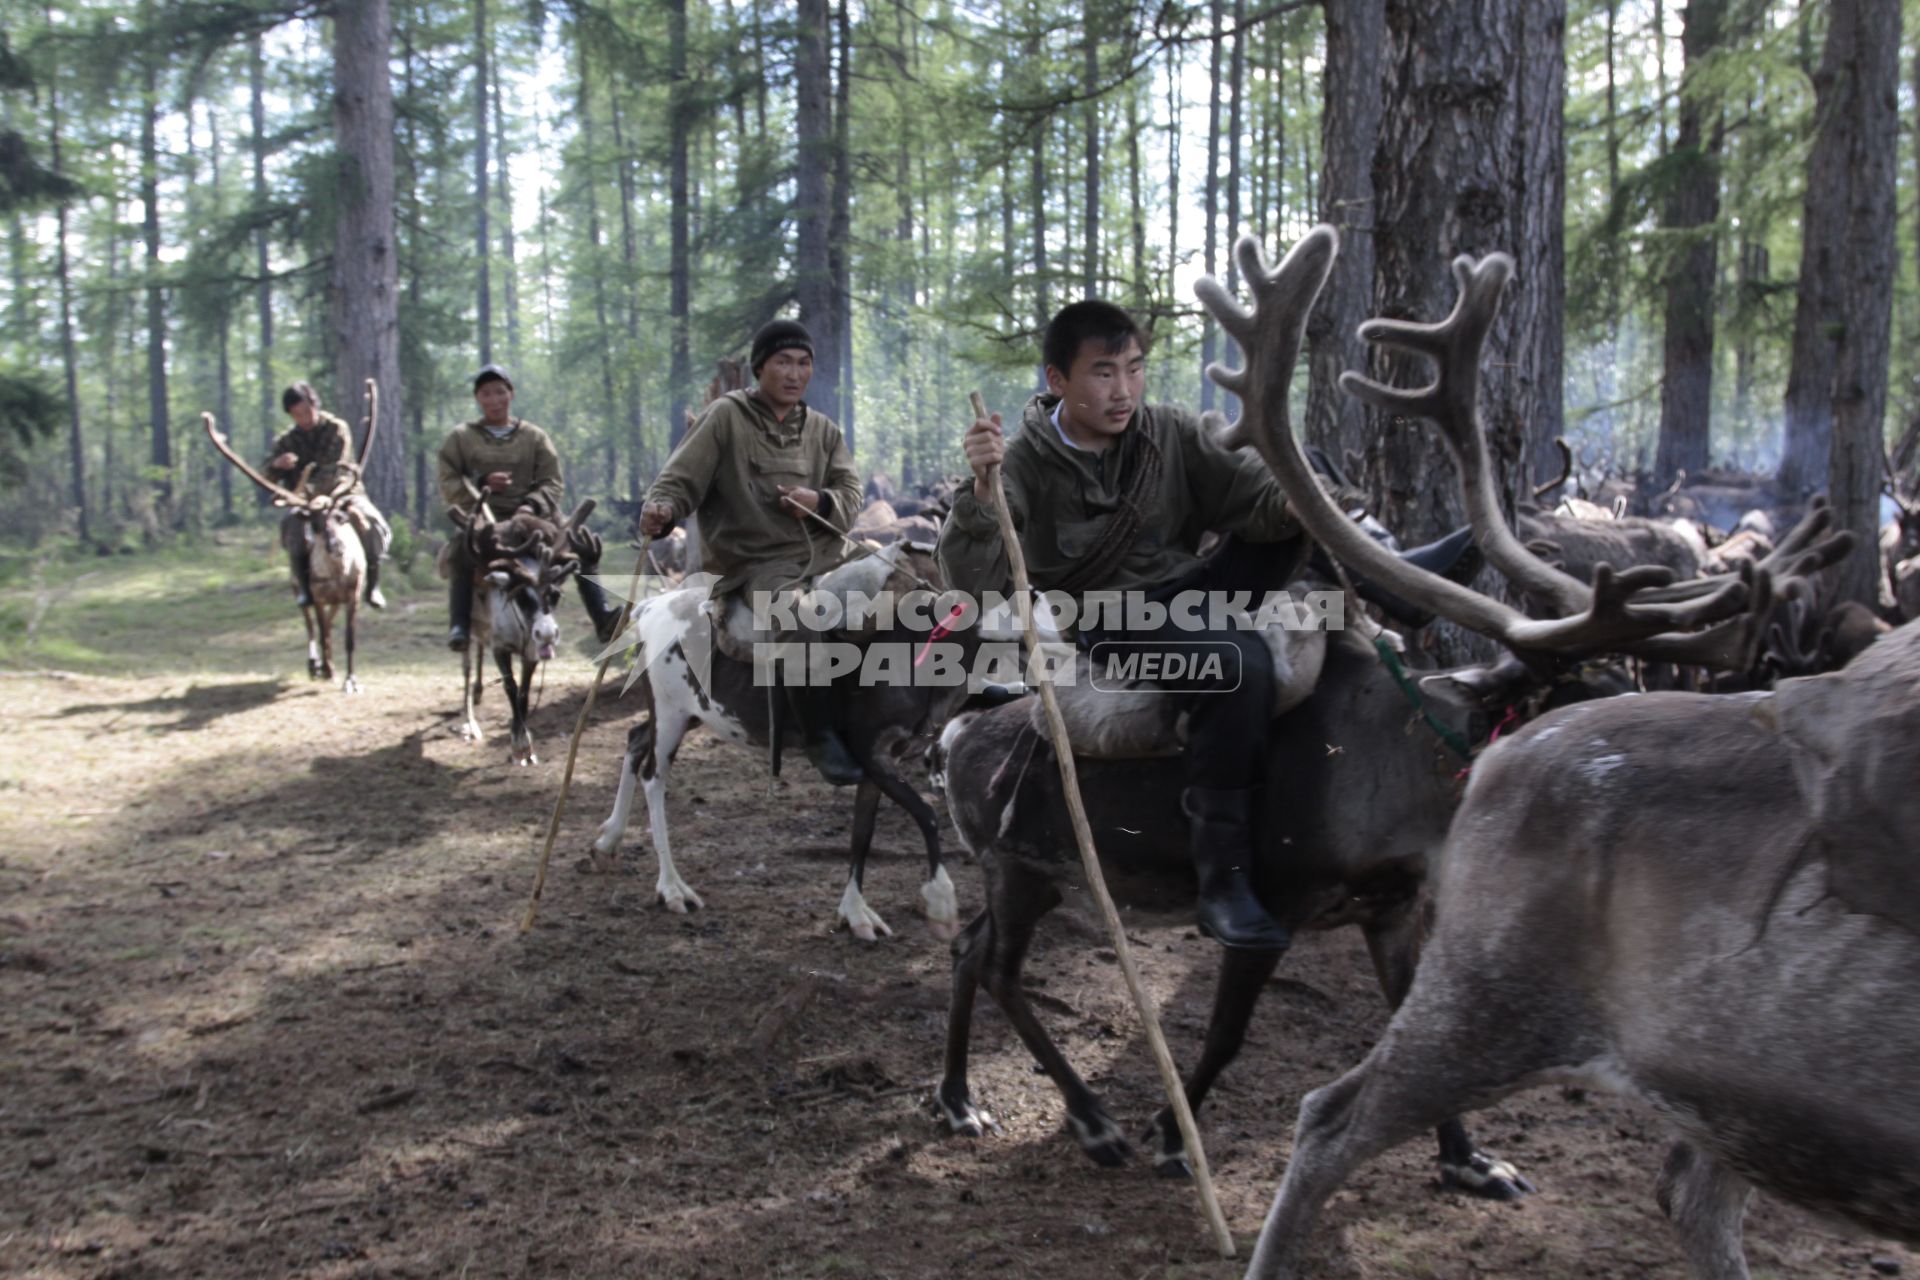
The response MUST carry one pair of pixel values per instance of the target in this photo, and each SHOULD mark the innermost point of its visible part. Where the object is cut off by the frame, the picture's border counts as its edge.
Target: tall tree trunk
(608, 403)
(637, 459)
(1090, 65)
(840, 229)
(1037, 177)
(1236, 88)
(76, 443)
(223, 355)
(813, 257)
(365, 283)
(1350, 131)
(503, 186)
(1175, 196)
(680, 285)
(1141, 292)
(1847, 269)
(1209, 336)
(263, 289)
(482, 238)
(160, 455)
(1470, 161)
(1693, 204)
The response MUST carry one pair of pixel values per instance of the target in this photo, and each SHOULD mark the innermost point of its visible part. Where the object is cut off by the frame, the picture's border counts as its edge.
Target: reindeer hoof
(677, 898)
(350, 686)
(962, 1117)
(1169, 1151)
(1100, 1138)
(943, 907)
(1487, 1177)
(862, 921)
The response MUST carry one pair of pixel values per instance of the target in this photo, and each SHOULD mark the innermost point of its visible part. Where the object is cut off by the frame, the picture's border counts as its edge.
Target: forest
(1713, 208)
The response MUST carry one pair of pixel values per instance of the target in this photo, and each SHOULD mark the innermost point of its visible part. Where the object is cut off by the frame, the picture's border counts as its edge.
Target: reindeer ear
(499, 580)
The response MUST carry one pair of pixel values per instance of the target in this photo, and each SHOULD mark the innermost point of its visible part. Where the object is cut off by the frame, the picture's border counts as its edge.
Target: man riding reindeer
(318, 449)
(1110, 494)
(774, 487)
(513, 465)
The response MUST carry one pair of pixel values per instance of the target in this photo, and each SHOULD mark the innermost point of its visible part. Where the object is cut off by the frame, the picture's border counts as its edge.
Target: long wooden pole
(579, 727)
(1096, 882)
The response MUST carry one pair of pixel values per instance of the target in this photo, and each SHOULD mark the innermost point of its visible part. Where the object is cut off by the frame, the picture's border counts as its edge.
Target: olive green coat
(324, 446)
(472, 453)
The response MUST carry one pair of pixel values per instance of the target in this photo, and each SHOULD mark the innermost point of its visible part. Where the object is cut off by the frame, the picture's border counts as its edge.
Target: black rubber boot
(302, 578)
(374, 598)
(605, 614)
(1220, 827)
(459, 611)
(812, 707)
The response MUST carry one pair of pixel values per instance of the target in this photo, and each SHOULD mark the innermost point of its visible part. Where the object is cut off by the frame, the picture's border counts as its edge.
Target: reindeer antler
(281, 496)
(369, 426)
(1566, 468)
(1610, 616)
(1454, 345)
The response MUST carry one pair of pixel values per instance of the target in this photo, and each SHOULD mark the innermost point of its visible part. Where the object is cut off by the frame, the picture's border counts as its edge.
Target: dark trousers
(1228, 714)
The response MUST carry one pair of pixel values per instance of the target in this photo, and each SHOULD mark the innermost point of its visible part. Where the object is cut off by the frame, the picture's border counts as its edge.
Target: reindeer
(1709, 904)
(1356, 803)
(520, 566)
(690, 680)
(336, 557)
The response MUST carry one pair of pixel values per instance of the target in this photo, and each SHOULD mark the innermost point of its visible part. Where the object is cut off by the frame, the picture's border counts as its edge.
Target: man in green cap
(320, 446)
(516, 469)
(774, 487)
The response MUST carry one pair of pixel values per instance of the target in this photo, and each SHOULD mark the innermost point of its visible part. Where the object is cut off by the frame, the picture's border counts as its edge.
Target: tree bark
(1209, 332)
(1090, 67)
(1470, 161)
(1350, 131)
(1848, 264)
(637, 459)
(813, 256)
(482, 238)
(840, 231)
(365, 280)
(503, 188)
(160, 453)
(680, 284)
(263, 290)
(1693, 206)
(609, 404)
(76, 443)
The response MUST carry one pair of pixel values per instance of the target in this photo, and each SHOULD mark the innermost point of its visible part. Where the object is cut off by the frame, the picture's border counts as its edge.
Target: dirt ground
(265, 1011)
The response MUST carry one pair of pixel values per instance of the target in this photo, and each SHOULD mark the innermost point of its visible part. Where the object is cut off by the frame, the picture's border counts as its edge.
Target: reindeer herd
(1708, 901)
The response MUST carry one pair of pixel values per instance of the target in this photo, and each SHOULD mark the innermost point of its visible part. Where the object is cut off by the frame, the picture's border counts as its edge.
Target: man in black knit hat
(774, 487)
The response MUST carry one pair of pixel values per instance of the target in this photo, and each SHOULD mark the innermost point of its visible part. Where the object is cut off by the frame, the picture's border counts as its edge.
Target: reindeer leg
(353, 611)
(937, 894)
(527, 668)
(313, 643)
(516, 708)
(1023, 898)
(862, 921)
(605, 850)
(325, 613)
(1448, 1049)
(1243, 974)
(472, 672)
(1706, 1203)
(668, 731)
(953, 1099)
(1393, 941)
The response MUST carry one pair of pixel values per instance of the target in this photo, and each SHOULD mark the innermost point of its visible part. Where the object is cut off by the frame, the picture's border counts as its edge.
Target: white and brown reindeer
(689, 681)
(336, 557)
(519, 567)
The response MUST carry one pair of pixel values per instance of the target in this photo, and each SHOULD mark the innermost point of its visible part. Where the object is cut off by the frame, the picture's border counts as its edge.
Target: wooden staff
(1097, 883)
(579, 727)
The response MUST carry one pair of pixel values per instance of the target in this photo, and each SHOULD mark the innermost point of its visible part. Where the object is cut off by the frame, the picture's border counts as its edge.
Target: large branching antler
(1610, 616)
(281, 497)
(1451, 403)
(368, 427)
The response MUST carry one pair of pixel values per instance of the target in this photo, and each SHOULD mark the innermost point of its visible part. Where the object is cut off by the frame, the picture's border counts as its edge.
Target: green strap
(1391, 661)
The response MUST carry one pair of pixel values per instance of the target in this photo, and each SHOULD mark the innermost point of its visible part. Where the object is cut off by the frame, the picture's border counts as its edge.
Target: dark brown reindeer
(520, 566)
(1355, 805)
(336, 556)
